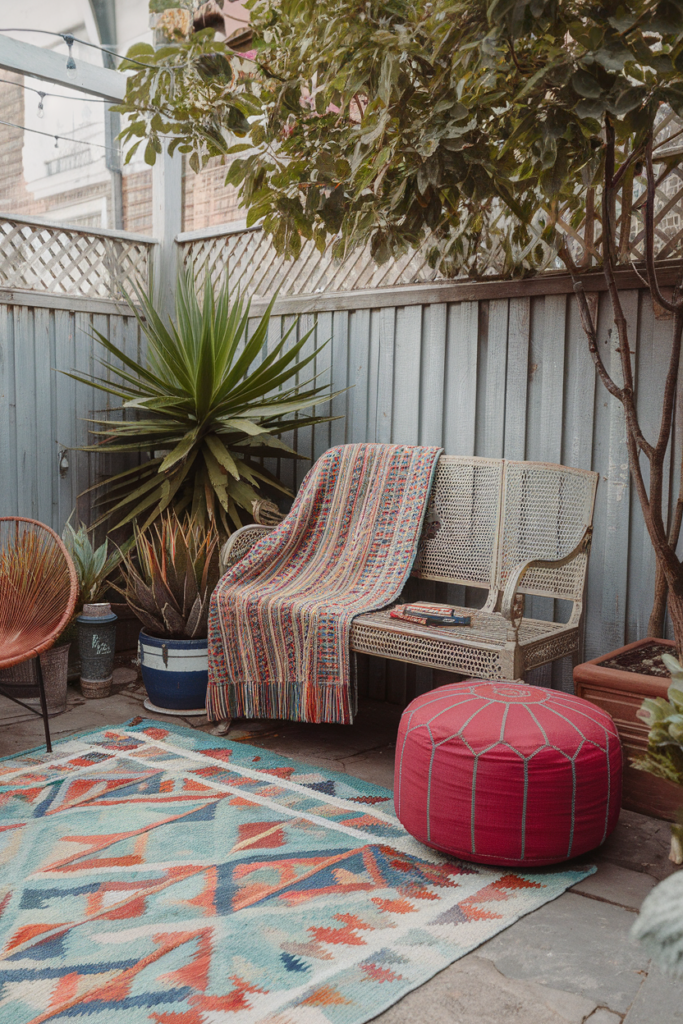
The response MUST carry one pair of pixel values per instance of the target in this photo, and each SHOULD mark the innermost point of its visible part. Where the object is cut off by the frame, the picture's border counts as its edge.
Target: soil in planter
(646, 660)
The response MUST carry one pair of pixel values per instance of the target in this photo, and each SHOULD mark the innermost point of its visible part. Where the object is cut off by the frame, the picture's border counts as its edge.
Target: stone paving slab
(603, 1016)
(640, 843)
(473, 991)
(615, 884)
(577, 945)
(659, 1001)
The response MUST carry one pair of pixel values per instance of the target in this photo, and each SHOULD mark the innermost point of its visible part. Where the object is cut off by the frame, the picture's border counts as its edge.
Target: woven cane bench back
(546, 509)
(485, 516)
(461, 525)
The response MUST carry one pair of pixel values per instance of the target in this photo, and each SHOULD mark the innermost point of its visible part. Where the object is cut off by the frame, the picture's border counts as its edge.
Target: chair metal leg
(43, 704)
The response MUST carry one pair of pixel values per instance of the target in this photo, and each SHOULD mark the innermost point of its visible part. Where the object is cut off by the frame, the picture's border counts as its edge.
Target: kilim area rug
(280, 619)
(155, 875)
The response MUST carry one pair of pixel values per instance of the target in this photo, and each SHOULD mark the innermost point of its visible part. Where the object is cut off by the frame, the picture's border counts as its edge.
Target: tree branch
(650, 231)
(627, 164)
(626, 395)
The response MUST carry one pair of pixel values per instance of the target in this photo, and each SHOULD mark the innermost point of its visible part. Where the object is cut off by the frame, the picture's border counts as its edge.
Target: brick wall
(207, 200)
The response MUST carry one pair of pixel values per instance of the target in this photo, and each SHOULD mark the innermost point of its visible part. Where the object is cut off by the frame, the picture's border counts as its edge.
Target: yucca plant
(208, 405)
(169, 585)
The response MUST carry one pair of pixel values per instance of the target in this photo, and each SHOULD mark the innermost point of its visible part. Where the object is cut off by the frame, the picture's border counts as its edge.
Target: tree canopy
(462, 125)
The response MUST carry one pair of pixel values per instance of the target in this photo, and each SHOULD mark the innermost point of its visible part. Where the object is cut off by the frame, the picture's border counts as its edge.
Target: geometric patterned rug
(155, 875)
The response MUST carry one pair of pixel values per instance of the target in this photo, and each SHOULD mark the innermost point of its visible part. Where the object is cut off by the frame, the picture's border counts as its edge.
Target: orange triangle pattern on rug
(157, 875)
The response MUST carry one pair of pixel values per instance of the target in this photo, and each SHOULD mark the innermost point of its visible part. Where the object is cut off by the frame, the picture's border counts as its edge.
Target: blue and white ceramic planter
(175, 672)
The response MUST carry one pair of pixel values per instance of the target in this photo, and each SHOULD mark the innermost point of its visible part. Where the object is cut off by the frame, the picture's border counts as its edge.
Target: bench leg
(222, 728)
(43, 705)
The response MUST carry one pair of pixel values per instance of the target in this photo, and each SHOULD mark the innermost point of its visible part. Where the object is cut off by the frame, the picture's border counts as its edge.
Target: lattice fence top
(39, 256)
(251, 262)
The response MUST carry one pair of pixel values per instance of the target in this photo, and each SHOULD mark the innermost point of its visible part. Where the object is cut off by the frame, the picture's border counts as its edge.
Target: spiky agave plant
(169, 584)
(208, 405)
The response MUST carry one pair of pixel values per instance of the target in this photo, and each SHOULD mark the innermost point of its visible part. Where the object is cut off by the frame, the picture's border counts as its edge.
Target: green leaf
(586, 85)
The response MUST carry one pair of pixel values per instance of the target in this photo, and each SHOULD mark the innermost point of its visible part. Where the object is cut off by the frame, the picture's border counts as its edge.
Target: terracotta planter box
(621, 693)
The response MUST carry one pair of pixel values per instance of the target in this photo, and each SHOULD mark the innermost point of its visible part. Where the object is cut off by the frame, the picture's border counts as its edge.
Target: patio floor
(569, 962)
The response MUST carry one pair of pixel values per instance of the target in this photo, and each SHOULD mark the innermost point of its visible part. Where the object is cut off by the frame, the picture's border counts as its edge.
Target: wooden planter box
(621, 693)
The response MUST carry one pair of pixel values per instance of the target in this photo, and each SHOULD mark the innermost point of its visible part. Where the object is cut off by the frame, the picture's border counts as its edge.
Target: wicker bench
(512, 528)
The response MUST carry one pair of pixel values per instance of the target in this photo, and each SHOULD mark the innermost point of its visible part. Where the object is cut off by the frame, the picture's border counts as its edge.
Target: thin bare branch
(669, 396)
(589, 327)
(650, 231)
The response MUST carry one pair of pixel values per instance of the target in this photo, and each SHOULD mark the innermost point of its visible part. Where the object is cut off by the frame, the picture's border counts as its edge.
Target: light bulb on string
(71, 69)
(56, 141)
(41, 107)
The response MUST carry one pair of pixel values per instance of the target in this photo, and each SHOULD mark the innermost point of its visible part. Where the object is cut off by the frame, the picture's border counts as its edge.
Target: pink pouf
(505, 773)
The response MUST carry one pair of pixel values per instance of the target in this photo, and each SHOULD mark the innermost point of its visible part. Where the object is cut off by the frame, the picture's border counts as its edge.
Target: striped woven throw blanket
(280, 619)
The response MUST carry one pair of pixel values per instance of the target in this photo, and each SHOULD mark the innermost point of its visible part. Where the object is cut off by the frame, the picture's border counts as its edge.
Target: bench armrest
(239, 542)
(507, 607)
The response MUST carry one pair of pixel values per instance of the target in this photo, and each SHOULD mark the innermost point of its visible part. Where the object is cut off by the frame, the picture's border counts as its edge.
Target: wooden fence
(43, 412)
(57, 284)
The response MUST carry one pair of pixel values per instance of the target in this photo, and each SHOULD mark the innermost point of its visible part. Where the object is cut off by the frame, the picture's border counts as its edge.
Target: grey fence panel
(43, 412)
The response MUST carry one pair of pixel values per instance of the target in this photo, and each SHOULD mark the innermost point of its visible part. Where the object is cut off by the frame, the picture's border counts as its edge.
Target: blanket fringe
(294, 701)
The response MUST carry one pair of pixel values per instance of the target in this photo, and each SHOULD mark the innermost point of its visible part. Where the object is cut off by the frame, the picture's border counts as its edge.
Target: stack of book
(427, 614)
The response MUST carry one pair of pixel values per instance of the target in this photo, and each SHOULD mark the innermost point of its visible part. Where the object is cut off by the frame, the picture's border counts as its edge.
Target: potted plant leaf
(663, 758)
(168, 583)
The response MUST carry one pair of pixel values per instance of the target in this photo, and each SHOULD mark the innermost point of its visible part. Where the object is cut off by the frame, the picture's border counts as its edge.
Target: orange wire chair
(38, 593)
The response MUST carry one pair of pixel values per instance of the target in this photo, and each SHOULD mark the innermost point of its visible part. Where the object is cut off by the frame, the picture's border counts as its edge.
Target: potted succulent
(663, 758)
(618, 682)
(93, 565)
(169, 585)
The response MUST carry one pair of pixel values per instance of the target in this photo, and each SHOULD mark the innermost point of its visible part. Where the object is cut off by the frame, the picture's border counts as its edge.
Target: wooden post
(104, 14)
(167, 200)
(167, 195)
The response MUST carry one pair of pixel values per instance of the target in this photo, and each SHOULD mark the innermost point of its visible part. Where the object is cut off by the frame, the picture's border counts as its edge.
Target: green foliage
(185, 95)
(206, 408)
(659, 926)
(664, 719)
(94, 565)
(401, 122)
(170, 587)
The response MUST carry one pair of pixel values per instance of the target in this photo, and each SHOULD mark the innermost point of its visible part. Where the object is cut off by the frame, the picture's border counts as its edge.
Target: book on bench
(425, 613)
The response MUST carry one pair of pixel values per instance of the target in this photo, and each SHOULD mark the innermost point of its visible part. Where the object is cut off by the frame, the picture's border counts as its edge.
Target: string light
(57, 138)
(54, 95)
(70, 39)
(103, 49)
(41, 107)
(71, 69)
